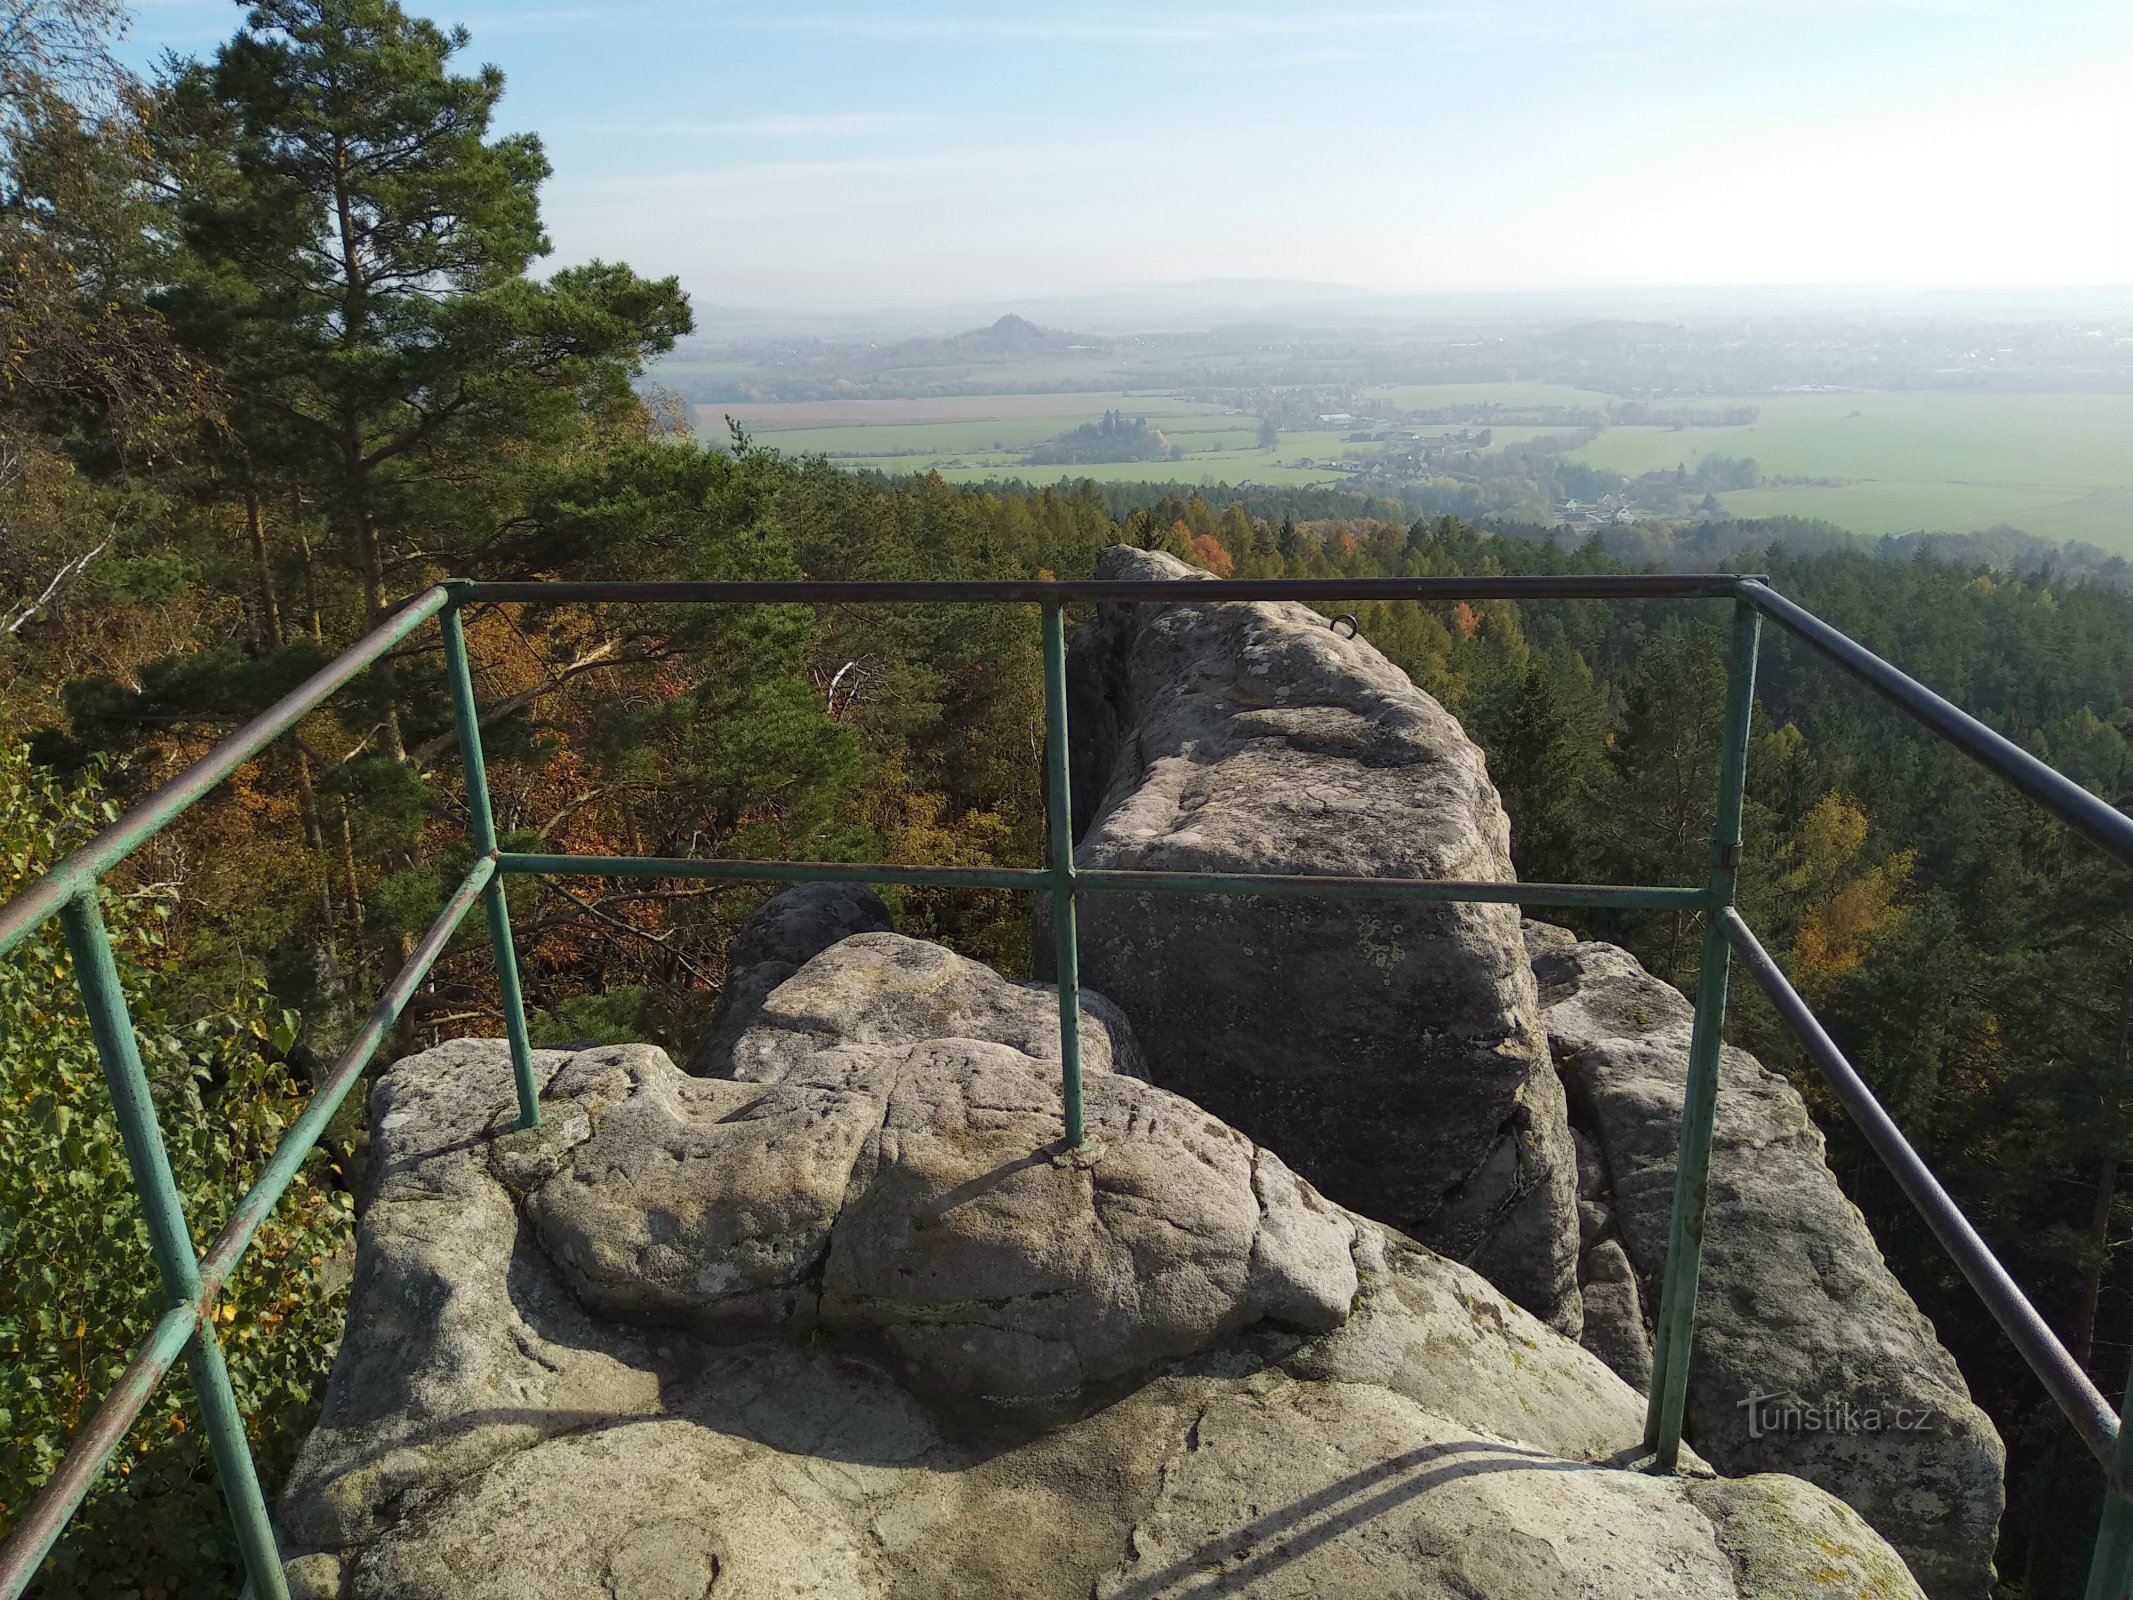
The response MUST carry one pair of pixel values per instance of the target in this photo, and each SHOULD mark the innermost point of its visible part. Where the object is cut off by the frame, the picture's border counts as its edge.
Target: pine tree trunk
(318, 627)
(270, 633)
(315, 837)
(2099, 1260)
(372, 560)
(348, 873)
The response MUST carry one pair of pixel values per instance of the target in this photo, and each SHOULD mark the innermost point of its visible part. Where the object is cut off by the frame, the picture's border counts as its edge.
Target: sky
(920, 152)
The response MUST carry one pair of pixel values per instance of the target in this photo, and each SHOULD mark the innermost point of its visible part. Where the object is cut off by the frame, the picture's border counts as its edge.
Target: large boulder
(793, 927)
(1392, 1048)
(882, 990)
(1809, 1357)
(855, 1326)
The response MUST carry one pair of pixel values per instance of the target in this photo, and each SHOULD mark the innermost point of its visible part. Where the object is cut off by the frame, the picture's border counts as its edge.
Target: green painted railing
(192, 1284)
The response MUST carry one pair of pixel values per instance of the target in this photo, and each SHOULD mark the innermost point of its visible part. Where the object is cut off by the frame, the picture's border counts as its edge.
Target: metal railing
(192, 1285)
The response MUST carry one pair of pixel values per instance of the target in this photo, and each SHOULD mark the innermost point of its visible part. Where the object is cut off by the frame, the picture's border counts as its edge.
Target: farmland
(2056, 465)
(970, 438)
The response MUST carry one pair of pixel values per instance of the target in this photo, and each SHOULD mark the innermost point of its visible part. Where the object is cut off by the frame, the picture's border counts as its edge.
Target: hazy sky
(920, 151)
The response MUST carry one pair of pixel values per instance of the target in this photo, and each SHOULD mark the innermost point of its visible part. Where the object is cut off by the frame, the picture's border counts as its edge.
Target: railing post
(1676, 1322)
(481, 823)
(169, 1239)
(1059, 829)
(2111, 1568)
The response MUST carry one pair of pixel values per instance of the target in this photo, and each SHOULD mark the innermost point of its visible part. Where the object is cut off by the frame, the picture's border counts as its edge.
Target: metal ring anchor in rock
(1354, 628)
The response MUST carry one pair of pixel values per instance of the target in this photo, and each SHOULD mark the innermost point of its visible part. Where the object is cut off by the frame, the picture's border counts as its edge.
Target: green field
(967, 438)
(959, 439)
(1195, 470)
(1424, 396)
(2056, 465)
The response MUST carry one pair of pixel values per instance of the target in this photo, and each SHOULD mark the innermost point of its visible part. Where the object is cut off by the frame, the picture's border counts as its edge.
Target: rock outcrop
(1393, 1053)
(848, 1323)
(794, 926)
(1391, 1048)
(1809, 1357)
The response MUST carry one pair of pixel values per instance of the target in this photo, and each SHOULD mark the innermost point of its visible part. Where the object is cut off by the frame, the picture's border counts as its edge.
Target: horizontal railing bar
(44, 898)
(1505, 586)
(61, 1494)
(1356, 888)
(771, 871)
(2084, 1406)
(1329, 886)
(281, 1167)
(2060, 795)
(93, 1447)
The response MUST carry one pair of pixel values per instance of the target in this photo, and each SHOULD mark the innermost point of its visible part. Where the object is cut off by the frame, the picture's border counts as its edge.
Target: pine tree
(1545, 767)
(358, 254)
(1291, 545)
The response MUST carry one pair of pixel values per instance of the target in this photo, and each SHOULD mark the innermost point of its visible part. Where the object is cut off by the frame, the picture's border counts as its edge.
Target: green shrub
(80, 1287)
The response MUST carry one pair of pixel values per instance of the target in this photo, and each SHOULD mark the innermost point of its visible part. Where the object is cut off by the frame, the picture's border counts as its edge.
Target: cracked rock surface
(1392, 1049)
(1796, 1308)
(847, 1324)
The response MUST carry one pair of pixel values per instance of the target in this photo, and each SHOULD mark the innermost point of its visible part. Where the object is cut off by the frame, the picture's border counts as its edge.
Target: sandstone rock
(1337, 1489)
(1435, 1441)
(1392, 1049)
(461, 1347)
(1616, 1329)
(794, 926)
(879, 989)
(909, 1198)
(1439, 1335)
(1784, 1538)
(657, 1510)
(1796, 1304)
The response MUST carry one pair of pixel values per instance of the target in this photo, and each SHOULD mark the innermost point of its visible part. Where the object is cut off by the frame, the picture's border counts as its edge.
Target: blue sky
(799, 154)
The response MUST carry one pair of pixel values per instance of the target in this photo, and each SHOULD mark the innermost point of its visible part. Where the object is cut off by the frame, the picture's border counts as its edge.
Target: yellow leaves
(1826, 841)
(919, 831)
(1844, 905)
(1833, 831)
(1837, 899)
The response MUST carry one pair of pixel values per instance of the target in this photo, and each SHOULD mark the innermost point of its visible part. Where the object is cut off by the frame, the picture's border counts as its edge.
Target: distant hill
(1011, 335)
(1010, 338)
(929, 364)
